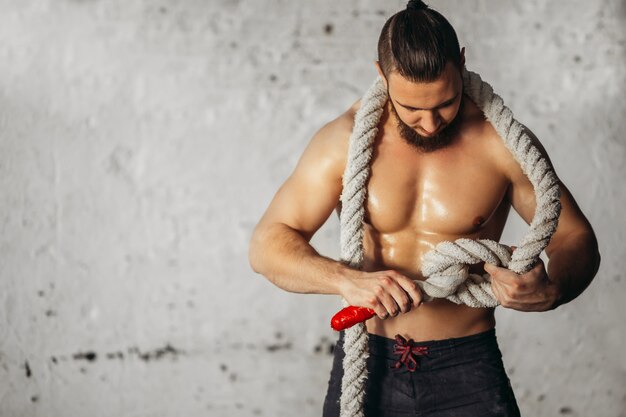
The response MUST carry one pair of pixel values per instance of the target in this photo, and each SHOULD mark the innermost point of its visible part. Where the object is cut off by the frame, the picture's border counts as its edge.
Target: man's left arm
(572, 252)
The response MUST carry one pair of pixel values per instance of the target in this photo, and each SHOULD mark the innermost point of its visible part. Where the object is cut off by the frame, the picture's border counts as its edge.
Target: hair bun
(416, 5)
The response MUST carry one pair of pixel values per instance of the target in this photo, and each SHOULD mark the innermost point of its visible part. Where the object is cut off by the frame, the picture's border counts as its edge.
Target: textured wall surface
(140, 141)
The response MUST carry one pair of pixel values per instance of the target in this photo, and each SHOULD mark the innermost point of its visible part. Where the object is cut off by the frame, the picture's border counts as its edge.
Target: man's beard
(431, 143)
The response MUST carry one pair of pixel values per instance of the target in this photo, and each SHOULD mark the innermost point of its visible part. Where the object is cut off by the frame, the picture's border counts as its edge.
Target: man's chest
(450, 193)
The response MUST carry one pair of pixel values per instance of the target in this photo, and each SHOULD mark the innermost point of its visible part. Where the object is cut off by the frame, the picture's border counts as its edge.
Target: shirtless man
(439, 172)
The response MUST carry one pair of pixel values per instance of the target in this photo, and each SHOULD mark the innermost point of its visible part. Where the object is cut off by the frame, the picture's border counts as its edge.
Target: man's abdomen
(435, 320)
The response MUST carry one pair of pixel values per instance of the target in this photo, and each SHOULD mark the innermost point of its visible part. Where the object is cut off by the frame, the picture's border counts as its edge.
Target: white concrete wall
(140, 141)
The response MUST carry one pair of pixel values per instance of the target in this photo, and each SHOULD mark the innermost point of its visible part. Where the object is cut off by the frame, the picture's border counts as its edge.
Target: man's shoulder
(327, 150)
(484, 135)
(339, 129)
(333, 138)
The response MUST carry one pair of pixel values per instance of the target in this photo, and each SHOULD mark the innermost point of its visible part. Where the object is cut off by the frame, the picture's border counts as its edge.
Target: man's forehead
(424, 94)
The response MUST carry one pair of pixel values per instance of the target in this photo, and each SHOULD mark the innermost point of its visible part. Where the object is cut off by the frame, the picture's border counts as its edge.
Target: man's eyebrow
(434, 108)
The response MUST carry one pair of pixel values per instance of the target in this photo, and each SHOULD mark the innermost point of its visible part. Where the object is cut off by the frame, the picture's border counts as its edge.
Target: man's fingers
(515, 288)
(391, 306)
(401, 297)
(502, 275)
(383, 294)
(392, 293)
(409, 293)
(413, 290)
(537, 306)
(491, 269)
(523, 296)
(378, 308)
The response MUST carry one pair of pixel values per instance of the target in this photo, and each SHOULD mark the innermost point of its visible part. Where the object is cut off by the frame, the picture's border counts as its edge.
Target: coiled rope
(445, 267)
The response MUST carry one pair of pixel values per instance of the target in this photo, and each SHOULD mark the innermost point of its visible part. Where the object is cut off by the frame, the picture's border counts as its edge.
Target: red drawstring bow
(407, 349)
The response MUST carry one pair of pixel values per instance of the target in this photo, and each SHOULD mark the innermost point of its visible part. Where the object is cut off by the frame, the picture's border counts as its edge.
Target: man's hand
(386, 292)
(532, 291)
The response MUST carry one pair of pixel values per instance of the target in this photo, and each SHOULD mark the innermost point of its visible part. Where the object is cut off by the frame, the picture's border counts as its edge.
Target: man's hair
(417, 43)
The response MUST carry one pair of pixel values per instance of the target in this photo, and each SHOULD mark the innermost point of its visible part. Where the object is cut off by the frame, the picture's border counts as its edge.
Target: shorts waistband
(380, 345)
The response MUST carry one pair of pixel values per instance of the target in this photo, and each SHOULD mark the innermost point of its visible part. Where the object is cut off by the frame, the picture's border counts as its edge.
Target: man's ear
(380, 72)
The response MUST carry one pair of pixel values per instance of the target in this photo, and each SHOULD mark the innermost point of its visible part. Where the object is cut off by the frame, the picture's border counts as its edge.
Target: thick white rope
(445, 267)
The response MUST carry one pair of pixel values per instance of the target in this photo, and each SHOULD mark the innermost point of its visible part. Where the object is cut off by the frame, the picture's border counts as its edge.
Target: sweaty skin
(415, 200)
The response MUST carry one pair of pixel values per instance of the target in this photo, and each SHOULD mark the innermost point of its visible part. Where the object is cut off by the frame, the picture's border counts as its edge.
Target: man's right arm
(279, 247)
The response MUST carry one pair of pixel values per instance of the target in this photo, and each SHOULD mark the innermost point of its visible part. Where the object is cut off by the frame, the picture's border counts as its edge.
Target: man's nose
(430, 122)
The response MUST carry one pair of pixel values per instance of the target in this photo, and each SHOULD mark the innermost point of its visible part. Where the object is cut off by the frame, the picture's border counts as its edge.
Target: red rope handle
(350, 316)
